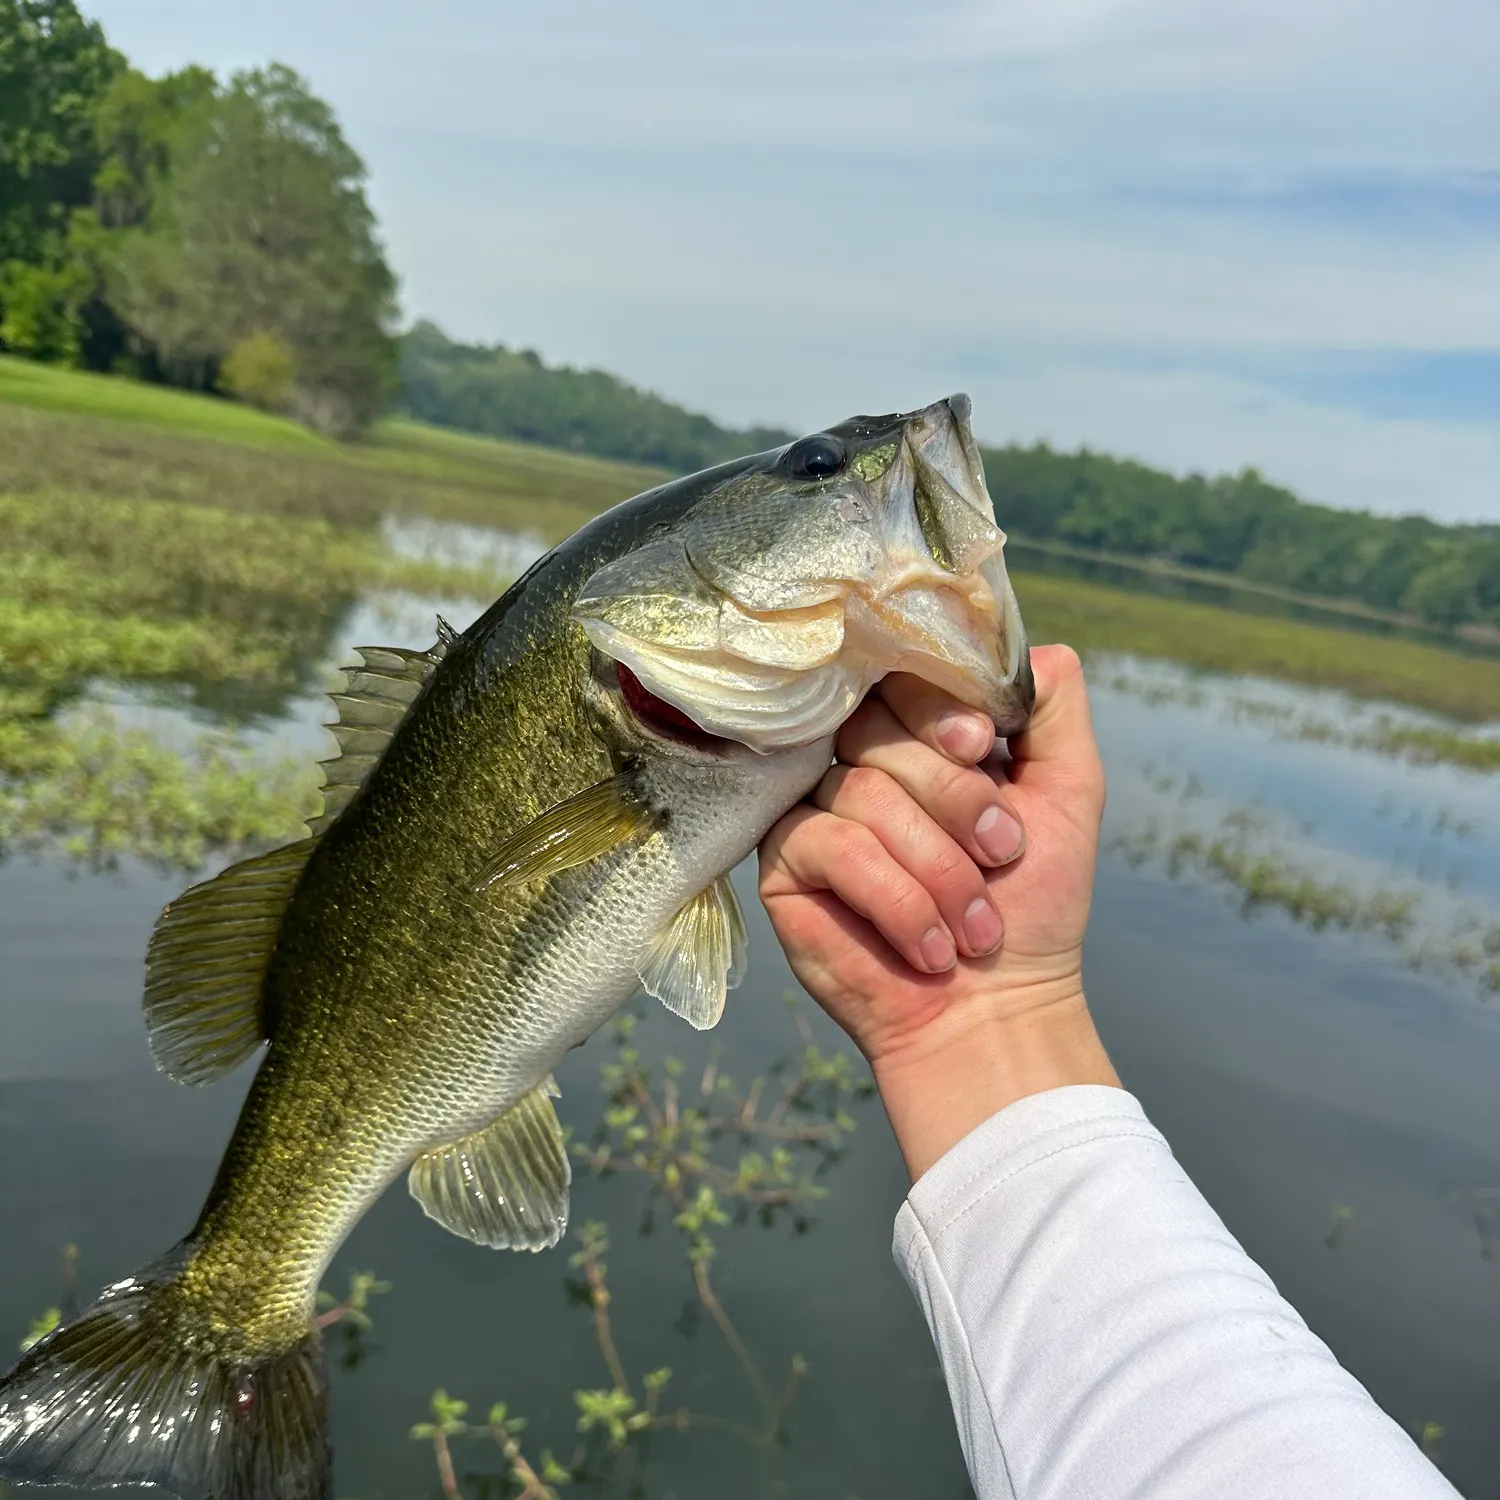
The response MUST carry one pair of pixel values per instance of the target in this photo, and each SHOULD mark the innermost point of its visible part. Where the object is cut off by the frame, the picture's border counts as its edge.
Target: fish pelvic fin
(505, 1186)
(206, 966)
(698, 956)
(120, 1395)
(584, 827)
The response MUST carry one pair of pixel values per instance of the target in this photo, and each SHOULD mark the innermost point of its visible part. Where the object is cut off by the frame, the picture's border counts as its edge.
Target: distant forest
(215, 233)
(509, 393)
(1447, 576)
(1240, 524)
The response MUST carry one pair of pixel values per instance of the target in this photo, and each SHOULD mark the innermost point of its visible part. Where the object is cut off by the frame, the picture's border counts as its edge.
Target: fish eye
(818, 457)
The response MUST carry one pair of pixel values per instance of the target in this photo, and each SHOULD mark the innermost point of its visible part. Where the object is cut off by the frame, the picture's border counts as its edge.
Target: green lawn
(116, 399)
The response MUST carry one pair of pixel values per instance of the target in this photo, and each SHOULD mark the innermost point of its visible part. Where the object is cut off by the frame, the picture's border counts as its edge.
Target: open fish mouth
(770, 612)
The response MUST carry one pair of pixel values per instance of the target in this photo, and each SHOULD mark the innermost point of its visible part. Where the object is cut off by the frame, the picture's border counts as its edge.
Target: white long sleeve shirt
(1103, 1336)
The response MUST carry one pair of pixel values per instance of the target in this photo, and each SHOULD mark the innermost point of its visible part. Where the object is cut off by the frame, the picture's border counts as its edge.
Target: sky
(1203, 233)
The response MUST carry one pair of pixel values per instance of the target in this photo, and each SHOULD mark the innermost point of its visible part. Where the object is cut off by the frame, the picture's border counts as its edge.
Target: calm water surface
(1302, 1077)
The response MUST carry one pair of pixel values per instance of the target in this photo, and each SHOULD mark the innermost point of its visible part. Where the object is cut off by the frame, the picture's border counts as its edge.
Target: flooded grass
(97, 792)
(1097, 619)
(1419, 743)
(1244, 856)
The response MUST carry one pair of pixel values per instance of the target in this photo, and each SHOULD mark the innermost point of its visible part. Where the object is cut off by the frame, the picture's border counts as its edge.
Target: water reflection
(451, 544)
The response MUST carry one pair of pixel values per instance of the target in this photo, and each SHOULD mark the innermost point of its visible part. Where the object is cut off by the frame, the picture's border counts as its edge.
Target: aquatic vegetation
(1097, 619)
(1431, 743)
(402, 468)
(97, 793)
(1243, 856)
(160, 591)
(689, 1135)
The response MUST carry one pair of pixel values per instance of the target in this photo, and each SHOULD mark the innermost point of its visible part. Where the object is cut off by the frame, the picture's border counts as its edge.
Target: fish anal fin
(506, 1185)
(376, 698)
(699, 956)
(206, 965)
(582, 828)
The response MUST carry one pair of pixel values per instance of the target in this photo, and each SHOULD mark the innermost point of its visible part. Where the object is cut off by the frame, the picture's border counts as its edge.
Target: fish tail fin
(118, 1395)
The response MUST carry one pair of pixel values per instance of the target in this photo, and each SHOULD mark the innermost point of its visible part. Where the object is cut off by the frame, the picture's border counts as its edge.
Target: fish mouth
(661, 718)
(775, 645)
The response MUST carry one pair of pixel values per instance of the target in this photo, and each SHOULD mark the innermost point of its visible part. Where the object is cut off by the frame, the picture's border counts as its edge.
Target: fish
(526, 825)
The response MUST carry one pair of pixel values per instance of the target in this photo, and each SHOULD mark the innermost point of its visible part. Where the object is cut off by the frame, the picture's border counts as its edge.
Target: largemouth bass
(527, 824)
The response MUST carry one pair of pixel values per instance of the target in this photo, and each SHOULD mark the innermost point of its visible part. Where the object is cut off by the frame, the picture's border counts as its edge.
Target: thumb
(1057, 750)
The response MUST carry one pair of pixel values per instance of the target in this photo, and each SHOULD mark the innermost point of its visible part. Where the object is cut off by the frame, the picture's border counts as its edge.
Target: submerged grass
(1421, 744)
(1240, 857)
(1095, 618)
(98, 792)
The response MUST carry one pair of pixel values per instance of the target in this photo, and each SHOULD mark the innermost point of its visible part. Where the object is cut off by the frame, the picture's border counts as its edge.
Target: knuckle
(958, 783)
(950, 866)
(870, 789)
(853, 842)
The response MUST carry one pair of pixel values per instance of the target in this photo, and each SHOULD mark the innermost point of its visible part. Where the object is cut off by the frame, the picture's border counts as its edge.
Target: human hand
(887, 892)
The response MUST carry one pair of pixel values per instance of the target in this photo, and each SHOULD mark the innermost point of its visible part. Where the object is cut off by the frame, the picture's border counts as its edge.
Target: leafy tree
(54, 68)
(43, 311)
(260, 370)
(259, 225)
(135, 123)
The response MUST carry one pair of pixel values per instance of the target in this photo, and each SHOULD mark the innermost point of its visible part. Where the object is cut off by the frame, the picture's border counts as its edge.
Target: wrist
(949, 1079)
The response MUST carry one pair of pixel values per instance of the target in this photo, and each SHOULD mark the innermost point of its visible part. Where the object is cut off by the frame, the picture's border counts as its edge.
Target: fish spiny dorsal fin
(206, 966)
(374, 702)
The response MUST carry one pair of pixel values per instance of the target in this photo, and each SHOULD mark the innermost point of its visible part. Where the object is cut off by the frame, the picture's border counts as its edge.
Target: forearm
(1102, 1334)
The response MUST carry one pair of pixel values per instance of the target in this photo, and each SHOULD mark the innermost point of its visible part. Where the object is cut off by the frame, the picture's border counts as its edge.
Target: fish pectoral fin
(506, 1185)
(699, 956)
(574, 832)
(206, 965)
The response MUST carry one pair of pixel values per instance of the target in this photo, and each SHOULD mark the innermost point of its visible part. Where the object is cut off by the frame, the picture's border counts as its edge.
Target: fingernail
(937, 950)
(982, 926)
(998, 834)
(962, 734)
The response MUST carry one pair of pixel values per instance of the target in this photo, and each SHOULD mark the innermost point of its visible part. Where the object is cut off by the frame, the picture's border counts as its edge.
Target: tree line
(508, 393)
(1236, 524)
(210, 233)
(1243, 525)
(215, 234)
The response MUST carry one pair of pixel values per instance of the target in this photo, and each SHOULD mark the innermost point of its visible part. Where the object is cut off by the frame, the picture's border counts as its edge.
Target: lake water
(1336, 1094)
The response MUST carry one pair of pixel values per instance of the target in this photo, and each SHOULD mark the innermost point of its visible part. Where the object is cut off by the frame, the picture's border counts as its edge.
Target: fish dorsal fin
(206, 965)
(699, 956)
(372, 704)
(506, 1185)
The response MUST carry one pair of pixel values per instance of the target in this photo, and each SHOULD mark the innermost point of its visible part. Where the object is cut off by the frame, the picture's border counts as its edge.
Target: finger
(1060, 735)
(939, 720)
(811, 850)
(939, 863)
(964, 801)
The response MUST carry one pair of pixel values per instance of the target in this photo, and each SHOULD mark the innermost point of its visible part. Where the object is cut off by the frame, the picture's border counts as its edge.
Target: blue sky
(1207, 233)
